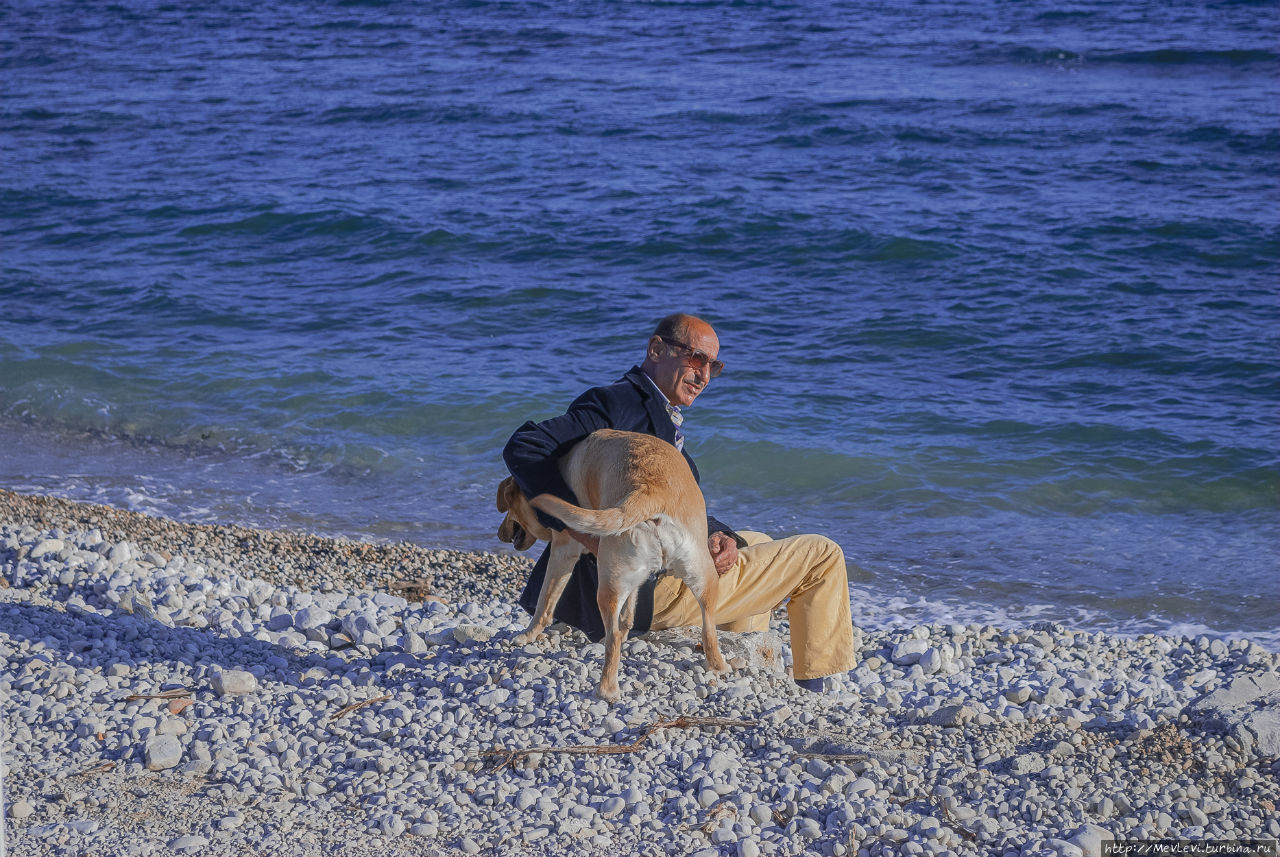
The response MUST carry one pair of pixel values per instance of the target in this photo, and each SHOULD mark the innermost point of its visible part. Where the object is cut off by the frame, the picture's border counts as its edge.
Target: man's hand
(591, 543)
(724, 551)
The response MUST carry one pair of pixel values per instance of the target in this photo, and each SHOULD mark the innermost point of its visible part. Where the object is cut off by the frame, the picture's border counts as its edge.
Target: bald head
(675, 348)
(678, 326)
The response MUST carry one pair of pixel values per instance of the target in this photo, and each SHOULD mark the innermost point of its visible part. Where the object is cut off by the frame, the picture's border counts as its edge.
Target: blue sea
(996, 282)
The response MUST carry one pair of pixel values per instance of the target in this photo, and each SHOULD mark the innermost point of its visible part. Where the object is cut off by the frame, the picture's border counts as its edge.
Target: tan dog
(648, 511)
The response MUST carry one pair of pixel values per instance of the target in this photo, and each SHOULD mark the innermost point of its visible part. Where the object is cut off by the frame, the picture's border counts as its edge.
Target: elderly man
(756, 573)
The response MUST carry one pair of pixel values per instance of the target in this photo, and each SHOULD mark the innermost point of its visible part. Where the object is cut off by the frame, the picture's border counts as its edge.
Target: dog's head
(520, 528)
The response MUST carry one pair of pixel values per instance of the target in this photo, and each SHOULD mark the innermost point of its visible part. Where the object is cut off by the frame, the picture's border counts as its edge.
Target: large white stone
(1089, 839)
(48, 546)
(311, 617)
(861, 786)
(234, 682)
(1027, 763)
(162, 751)
(932, 660)
(362, 628)
(120, 553)
(473, 634)
(952, 715)
(909, 652)
(1247, 708)
(21, 809)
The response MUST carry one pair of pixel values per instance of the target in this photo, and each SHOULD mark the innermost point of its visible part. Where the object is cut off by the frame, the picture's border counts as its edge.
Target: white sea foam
(872, 610)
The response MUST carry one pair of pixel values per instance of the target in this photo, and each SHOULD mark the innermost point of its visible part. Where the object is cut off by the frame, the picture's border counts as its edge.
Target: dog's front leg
(564, 556)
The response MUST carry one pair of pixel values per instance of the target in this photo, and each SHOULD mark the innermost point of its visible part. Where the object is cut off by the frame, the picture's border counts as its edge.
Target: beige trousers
(809, 570)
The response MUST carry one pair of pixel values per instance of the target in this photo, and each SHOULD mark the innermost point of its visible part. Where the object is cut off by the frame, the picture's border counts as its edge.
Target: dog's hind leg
(564, 556)
(622, 571)
(611, 606)
(706, 588)
(710, 642)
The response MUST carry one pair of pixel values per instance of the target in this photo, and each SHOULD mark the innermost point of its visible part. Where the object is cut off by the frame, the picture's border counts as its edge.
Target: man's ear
(654, 351)
(505, 486)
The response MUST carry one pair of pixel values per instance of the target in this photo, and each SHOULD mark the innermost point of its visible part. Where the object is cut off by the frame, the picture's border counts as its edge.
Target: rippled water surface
(995, 282)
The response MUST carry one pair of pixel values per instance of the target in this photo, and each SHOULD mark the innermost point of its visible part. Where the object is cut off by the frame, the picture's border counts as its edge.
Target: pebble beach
(173, 688)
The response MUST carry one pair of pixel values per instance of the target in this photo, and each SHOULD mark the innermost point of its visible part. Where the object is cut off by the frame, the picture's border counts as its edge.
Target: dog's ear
(504, 493)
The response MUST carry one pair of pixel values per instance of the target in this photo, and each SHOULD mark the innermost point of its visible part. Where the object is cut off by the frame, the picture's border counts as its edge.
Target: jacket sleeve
(533, 453)
(715, 526)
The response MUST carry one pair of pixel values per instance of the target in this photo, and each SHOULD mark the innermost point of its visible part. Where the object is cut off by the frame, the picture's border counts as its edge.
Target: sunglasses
(694, 358)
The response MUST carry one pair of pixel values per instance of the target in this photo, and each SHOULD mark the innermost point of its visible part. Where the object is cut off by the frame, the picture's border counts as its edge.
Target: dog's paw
(609, 695)
(525, 637)
(718, 665)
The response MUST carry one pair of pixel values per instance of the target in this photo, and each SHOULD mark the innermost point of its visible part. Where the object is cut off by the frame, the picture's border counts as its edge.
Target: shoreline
(462, 573)
(328, 714)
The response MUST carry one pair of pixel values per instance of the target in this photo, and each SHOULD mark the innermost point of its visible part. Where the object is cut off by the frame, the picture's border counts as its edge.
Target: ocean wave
(361, 24)
(1189, 56)
(65, 123)
(413, 113)
(1162, 57)
(782, 240)
(1066, 15)
(20, 204)
(28, 58)
(1224, 242)
(830, 135)
(951, 469)
(287, 226)
(383, 113)
(709, 117)
(984, 53)
(1266, 141)
(772, 242)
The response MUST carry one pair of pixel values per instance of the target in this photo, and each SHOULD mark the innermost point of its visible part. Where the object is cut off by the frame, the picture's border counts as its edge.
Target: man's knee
(825, 552)
(751, 537)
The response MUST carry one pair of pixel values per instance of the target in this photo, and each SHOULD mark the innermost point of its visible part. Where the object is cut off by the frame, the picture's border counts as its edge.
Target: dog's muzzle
(515, 535)
(518, 535)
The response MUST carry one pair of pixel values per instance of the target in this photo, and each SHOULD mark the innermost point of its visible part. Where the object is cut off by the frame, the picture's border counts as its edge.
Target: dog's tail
(598, 522)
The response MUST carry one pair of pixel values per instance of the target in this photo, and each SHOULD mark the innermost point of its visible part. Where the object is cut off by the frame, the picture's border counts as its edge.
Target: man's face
(668, 365)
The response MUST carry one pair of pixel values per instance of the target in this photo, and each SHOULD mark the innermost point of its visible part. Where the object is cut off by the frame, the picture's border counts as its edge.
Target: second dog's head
(521, 527)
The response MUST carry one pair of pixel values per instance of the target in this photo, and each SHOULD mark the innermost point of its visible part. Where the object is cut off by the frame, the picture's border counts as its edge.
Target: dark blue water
(996, 282)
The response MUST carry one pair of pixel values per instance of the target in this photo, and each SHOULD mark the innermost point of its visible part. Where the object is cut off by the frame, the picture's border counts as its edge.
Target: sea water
(996, 282)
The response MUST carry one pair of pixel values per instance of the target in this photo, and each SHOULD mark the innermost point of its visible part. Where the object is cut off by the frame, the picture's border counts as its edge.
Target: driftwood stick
(176, 693)
(347, 709)
(508, 757)
(818, 747)
(836, 757)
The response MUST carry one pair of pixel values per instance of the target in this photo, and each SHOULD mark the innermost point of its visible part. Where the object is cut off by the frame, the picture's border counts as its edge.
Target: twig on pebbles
(816, 747)
(507, 757)
(835, 757)
(176, 693)
(100, 768)
(956, 824)
(347, 709)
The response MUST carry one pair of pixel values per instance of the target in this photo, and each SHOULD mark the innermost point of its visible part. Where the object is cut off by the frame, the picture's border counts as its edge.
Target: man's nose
(703, 374)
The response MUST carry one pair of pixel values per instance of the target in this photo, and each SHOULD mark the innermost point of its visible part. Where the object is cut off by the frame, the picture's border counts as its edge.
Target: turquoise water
(996, 283)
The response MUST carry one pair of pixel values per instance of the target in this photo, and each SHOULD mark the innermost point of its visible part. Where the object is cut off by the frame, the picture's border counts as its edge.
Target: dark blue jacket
(533, 457)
